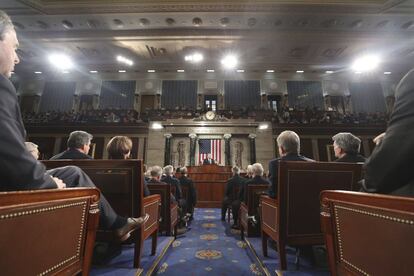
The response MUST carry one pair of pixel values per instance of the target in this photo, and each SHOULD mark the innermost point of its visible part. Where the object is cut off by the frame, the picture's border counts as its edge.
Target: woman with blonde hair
(119, 147)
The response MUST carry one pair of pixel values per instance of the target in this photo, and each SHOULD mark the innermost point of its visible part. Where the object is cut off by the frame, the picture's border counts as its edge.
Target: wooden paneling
(322, 146)
(306, 148)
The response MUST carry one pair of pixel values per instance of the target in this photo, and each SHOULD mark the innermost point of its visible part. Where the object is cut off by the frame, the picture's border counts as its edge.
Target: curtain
(57, 96)
(242, 93)
(302, 94)
(367, 97)
(179, 93)
(117, 95)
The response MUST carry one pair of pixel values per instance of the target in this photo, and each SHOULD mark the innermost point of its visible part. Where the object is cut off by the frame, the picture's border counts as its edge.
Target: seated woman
(119, 147)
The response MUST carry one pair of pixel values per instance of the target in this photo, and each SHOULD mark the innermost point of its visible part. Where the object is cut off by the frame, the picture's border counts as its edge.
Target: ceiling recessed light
(38, 72)
(121, 71)
(300, 71)
(387, 73)
(151, 71)
(229, 62)
(270, 71)
(366, 63)
(210, 70)
(329, 72)
(93, 71)
(196, 57)
(61, 61)
(240, 71)
(180, 70)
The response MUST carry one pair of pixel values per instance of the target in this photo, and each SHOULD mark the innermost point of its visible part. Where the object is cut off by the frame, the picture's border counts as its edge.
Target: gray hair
(289, 141)
(168, 170)
(77, 139)
(347, 142)
(183, 170)
(257, 169)
(235, 170)
(249, 169)
(155, 171)
(5, 24)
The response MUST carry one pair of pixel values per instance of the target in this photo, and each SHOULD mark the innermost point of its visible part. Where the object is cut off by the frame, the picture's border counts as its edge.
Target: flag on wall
(209, 146)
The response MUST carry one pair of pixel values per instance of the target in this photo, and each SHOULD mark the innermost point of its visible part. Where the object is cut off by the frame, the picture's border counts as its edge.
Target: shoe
(132, 224)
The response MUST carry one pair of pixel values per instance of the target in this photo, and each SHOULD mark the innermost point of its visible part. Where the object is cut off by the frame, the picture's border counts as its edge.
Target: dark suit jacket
(207, 161)
(256, 180)
(153, 181)
(389, 169)
(192, 193)
(71, 154)
(274, 170)
(146, 190)
(19, 170)
(235, 182)
(351, 158)
(174, 183)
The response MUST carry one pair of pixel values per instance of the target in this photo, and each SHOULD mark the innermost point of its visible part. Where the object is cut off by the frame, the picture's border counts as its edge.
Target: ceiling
(282, 35)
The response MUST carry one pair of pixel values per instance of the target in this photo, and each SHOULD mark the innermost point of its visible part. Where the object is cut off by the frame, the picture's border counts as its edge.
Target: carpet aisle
(209, 248)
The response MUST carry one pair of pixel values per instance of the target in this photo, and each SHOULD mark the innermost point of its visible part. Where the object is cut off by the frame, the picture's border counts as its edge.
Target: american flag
(209, 146)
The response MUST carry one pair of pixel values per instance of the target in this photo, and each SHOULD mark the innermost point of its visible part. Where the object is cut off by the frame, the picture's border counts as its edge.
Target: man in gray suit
(19, 170)
(389, 169)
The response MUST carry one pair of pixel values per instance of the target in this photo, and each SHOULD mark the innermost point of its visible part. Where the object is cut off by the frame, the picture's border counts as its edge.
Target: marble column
(193, 140)
(227, 153)
(252, 138)
(167, 153)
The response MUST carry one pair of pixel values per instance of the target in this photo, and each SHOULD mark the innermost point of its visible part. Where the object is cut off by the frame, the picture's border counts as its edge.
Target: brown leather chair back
(368, 234)
(47, 232)
(300, 184)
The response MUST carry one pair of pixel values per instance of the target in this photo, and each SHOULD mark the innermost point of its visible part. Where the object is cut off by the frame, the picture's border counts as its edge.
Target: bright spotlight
(366, 63)
(124, 60)
(229, 62)
(156, 125)
(61, 61)
(263, 126)
(195, 58)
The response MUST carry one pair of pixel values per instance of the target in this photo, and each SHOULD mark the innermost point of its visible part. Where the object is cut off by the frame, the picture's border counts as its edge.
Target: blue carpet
(209, 248)
(305, 268)
(123, 264)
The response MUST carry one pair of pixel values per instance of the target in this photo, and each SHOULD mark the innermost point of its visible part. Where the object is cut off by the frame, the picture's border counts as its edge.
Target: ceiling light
(151, 71)
(300, 71)
(387, 73)
(195, 57)
(156, 125)
(229, 62)
(210, 70)
(61, 61)
(93, 71)
(263, 126)
(124, 60)
(329, 72)
(180, 70)
(270, 71)
(121, 71)
(38, 72)
(366, 63)
(240, 71)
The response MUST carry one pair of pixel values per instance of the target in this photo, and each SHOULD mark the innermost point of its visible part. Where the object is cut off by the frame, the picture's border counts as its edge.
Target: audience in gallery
(346, 147)
(288, 143)
(288, 116)
(79, 144)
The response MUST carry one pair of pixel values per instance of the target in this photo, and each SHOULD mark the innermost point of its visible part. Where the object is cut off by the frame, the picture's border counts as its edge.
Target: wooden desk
(210, 182)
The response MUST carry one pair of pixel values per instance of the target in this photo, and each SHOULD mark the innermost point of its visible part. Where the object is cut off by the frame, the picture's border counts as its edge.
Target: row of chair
(68, 219)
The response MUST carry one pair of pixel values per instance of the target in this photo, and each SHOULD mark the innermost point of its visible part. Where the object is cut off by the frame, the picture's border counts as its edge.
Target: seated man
(288, 143)
(257, 179)
(19, 169)
(78, 144)
(192, 193)
(155, 178)
(236, 182)
(173, 182)
(346, 148)
(208, 160)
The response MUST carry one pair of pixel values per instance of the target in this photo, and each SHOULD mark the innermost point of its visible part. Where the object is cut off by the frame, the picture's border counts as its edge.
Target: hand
(59, 183)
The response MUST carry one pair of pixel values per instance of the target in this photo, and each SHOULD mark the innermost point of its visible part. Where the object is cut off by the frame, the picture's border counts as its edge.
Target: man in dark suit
(257, 179)
(233, 184)
(78, 143)
(155, 173)
(19, 170)
(208, 160)
(346, 148)
(389, 169)
(192, 193)
(288, 143)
